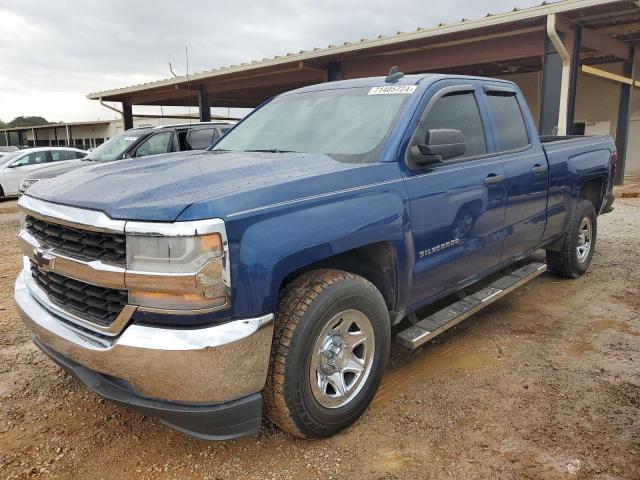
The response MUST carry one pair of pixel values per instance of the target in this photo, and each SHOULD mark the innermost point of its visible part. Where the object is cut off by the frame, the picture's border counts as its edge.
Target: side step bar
(442, 320)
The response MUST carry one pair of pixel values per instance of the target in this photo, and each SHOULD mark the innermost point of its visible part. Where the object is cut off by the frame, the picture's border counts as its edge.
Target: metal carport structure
(559, 39)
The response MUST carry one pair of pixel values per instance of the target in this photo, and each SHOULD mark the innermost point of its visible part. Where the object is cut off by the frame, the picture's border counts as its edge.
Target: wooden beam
(609, 76)
(485, 52)
(154, 97)
(605, 44)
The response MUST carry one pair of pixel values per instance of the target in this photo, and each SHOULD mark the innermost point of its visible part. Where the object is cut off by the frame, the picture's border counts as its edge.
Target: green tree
(27, 121)
(3, 125)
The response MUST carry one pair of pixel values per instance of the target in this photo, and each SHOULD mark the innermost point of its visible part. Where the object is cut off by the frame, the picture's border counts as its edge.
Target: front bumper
(182, 370)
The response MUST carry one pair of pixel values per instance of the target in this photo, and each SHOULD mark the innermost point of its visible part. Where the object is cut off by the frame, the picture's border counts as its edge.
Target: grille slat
(81, 244)
(95, 304)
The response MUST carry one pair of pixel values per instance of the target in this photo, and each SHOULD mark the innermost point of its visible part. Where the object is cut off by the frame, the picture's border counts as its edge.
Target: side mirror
(440, 144)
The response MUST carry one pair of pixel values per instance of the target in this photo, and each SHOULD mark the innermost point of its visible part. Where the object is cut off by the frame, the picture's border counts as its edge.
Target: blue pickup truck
(271, 270)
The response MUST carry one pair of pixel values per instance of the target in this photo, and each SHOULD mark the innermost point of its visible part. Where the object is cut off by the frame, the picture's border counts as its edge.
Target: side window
(512, 131)
(458, 111)
(34, 158)
(158, 143)
(201, 138)
(58, 155)
(80, 154)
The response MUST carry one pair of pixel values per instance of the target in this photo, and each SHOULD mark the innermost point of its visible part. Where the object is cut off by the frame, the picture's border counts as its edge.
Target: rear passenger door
(457, 206)
(526, 169)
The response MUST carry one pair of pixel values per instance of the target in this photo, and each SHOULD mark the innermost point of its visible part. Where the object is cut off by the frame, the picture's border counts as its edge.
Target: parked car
(16, 165)
(5, 150)
(140, 142)
(271, 268)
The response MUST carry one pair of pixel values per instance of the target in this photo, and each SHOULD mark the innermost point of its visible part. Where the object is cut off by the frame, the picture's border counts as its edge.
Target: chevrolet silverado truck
(271, 270)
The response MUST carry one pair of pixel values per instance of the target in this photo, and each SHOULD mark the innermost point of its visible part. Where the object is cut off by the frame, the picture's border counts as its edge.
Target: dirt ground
(543, 384)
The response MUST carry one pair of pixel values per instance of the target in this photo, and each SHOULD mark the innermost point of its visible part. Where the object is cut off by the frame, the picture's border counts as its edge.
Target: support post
(127, 115)
(333, 71)
(55, 136)
(624, 112)
(573, 77)
(555, 82)
(66, 127)
(551, 80)
(35, 137)
(6, 137)
(203, 105)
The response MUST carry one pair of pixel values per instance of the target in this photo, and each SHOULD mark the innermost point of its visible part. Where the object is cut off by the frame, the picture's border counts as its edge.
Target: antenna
(394, 75)
(186, 54)
(171, 67)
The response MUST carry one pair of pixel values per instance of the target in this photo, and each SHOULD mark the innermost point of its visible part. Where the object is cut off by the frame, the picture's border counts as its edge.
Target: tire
(312, 321)
(569, 262)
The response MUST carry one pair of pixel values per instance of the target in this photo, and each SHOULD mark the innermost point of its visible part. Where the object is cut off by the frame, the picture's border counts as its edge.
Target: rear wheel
(578, 244)
(330, 348)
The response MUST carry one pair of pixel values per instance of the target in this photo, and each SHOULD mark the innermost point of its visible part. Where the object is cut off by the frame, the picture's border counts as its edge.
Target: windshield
(348, 124)
(114, 148)
(9, 157)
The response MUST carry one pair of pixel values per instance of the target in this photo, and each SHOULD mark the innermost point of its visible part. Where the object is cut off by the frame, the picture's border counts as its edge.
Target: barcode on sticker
(392, 89)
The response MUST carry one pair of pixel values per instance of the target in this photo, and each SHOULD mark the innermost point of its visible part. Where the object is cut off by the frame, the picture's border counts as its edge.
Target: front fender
(276, 244)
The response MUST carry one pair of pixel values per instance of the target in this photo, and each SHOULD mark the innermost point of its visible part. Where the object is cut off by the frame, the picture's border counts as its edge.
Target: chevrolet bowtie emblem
(44, 260)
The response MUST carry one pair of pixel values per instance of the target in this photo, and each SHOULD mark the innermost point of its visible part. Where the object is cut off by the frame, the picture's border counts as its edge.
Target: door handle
(493, 178)
(537, 168)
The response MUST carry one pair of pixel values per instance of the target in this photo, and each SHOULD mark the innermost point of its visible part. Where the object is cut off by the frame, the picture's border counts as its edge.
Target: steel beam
(127, 115)
(624, 112)
(204, 105)
(551, 88)
(333, 71)
(573, 78)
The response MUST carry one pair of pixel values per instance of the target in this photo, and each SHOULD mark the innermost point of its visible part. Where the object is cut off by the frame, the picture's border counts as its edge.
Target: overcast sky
(54, 52)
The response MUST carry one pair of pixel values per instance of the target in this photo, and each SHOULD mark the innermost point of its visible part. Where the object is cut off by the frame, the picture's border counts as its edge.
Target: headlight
(179, 266)
(26, 183)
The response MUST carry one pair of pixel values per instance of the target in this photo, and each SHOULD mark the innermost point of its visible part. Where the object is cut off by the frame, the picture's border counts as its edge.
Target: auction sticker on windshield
(392, 89)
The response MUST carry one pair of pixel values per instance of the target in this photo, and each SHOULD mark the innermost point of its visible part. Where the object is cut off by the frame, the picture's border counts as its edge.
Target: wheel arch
(377, 262)
(593, 190)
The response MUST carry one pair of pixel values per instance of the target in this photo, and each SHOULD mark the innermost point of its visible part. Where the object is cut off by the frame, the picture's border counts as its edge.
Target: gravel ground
(543, 384)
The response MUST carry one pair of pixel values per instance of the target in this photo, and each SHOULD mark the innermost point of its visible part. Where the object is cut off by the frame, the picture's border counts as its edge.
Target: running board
(442, 320)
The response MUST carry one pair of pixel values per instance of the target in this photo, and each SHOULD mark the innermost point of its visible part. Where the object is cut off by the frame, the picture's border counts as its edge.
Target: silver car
(16, 165)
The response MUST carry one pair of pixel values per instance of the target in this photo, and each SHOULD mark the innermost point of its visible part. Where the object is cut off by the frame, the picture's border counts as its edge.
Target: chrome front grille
(82, 244)
(95, 304)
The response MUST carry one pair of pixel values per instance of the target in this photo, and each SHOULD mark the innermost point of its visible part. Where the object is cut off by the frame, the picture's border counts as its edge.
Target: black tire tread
(293, 302)
(560, 262)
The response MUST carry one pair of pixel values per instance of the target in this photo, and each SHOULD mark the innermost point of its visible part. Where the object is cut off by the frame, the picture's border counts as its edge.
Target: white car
(15, 165)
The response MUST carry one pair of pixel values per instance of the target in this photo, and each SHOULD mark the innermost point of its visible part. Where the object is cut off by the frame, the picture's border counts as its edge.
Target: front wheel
(578, 244)
(330, 349)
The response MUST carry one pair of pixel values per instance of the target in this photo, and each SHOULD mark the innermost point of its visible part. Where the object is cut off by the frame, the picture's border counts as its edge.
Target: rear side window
(458, 111)
(58, 155)
(512, 131)
(201, 138)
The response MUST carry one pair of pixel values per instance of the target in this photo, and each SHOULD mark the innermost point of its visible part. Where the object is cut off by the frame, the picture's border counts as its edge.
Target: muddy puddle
(434, 359)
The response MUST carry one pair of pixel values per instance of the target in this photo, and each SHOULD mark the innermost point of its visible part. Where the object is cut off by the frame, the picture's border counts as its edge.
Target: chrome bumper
(196, 366)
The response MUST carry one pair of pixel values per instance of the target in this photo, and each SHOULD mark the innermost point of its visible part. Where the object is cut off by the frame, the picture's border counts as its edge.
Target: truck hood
(55, 170)
(160, 188)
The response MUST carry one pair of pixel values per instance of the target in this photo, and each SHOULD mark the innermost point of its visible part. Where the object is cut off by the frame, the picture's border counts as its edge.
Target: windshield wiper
(271, 150)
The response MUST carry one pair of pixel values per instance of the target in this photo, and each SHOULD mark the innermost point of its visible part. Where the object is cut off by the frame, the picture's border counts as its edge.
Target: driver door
(14, 174)
(457, 205)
